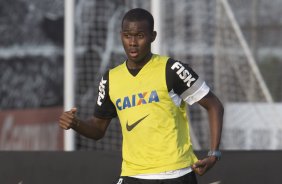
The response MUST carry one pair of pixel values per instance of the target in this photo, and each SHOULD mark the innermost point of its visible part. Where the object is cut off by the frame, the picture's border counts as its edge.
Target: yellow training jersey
(155, 130)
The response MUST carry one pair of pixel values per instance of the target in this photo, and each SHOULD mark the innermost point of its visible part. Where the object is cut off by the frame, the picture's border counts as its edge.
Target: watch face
(216, 154)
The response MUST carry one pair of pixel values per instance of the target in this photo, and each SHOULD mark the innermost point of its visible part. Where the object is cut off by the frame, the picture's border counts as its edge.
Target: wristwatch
(215, 153)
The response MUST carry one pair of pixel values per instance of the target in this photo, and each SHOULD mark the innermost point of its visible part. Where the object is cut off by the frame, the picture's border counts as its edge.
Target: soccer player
(149, 94)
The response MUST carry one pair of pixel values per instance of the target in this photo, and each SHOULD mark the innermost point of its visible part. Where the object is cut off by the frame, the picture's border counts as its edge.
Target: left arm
(215, 112)
(183, 81)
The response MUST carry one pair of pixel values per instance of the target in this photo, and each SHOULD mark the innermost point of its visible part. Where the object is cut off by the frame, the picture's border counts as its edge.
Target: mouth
(133, 53)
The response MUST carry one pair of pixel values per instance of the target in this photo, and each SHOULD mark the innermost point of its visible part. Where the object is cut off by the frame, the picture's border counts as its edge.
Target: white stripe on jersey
(195, 93)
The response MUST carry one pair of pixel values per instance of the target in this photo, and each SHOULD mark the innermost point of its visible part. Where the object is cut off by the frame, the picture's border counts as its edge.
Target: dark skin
(137, 39)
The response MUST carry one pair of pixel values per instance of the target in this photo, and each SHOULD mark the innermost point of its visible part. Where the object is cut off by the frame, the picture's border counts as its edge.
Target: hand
(68, 119)
(202, 166)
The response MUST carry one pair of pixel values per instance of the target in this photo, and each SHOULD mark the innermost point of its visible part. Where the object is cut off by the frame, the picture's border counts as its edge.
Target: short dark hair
(139, 14)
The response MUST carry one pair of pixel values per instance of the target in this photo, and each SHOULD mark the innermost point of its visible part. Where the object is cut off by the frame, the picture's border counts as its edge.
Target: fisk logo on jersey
(137, 99)
(183, 73)
(102, 92)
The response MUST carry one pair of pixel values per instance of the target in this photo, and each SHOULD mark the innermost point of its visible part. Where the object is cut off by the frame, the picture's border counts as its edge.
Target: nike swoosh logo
(130, 127)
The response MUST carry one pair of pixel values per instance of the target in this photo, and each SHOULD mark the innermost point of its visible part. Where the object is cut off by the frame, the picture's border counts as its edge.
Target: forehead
(136, 26)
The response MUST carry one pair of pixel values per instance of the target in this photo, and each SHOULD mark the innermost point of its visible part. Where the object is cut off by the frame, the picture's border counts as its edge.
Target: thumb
(73, 110)
(199, 163)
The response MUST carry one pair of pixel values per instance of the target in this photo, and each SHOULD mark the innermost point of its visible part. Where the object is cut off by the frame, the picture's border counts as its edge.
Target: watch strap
(215, 153)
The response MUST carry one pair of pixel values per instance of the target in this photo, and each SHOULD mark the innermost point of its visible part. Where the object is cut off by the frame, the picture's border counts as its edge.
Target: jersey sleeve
(182, 80)
(104, 107)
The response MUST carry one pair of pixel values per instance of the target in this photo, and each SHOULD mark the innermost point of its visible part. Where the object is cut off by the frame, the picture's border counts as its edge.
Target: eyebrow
(128, 31)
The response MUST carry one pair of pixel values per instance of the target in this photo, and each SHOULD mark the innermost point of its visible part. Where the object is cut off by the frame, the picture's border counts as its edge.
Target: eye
(126, 35)
(140, 36)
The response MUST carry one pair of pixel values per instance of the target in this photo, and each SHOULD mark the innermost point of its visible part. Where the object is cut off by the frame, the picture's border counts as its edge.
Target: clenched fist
(68, 119)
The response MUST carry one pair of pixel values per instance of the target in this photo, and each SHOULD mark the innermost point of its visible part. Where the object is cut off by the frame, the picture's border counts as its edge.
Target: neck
(139, 65)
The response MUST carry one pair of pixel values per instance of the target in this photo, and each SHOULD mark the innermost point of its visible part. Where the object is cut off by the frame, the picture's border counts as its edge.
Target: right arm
(94, 128)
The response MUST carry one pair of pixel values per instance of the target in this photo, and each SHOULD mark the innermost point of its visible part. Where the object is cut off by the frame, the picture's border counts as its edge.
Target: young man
(149, 93)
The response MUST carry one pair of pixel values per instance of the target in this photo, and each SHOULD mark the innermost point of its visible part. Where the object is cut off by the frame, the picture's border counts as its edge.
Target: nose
(133, 41)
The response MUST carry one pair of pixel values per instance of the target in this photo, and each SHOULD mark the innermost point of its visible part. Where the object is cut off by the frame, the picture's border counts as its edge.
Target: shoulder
(118, 68)
(181, 71)
(159, 59)
(175, 64)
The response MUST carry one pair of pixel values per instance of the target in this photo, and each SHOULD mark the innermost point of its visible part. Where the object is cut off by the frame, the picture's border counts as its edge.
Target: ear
(154, 35)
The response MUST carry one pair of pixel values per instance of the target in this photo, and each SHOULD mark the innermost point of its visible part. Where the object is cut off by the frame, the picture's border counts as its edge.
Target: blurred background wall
(103, 167)
(31, 74)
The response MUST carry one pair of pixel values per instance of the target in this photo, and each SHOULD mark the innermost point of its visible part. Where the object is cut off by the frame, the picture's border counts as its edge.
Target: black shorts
(189, 178)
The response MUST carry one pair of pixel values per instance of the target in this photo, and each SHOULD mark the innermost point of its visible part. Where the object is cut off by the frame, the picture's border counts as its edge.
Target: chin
(134, 59)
